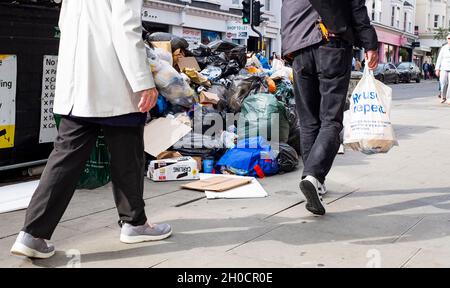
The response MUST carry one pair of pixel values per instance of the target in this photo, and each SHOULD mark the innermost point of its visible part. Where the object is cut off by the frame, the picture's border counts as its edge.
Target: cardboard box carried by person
(175, 169)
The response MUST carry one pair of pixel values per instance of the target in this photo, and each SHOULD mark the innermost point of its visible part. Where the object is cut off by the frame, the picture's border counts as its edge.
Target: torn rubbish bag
(241, 87)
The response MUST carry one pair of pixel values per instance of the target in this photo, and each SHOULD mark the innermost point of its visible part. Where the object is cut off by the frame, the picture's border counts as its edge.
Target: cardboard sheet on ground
(217, 184)
(16, 197)
(252, 190)
(163, 133)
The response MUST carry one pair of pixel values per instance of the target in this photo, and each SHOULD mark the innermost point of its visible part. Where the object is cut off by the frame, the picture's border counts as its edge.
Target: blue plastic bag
(264, 62)
(251, 157)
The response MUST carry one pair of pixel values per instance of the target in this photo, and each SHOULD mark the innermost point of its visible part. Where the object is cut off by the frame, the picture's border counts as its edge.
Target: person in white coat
(443, 70)
(104, 84)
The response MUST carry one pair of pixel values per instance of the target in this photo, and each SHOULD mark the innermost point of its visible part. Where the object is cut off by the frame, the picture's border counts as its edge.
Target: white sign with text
(48, 130)
(8, 84)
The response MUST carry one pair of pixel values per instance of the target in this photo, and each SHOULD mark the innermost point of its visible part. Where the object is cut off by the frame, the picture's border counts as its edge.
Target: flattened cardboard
(218, 184)
(163, 133)
(188, 62)
(250, 191)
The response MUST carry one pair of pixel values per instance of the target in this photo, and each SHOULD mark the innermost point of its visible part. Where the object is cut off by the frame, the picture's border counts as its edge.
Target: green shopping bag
(97, 172)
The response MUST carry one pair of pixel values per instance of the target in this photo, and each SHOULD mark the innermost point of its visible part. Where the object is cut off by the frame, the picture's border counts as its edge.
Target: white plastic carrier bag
(367, 125)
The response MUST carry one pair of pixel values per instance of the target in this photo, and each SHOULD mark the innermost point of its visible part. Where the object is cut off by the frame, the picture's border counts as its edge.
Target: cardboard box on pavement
(175, 169)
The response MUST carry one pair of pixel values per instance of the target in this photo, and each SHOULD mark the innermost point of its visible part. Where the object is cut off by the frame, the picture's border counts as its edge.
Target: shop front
(422, 54)
(191, 22)
(392, 46)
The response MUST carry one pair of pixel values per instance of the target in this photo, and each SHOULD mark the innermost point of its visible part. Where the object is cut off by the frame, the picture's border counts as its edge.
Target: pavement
(389, 210)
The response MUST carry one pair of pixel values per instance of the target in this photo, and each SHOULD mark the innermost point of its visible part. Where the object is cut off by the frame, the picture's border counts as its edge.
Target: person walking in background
(443, 70)
(318, 36)
(425, 68)
(103, 83)
(358, 65)
(432, 71)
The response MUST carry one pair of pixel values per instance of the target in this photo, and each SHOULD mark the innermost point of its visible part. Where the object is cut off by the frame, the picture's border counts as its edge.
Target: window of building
(267, 5)
(389, 53)
(405, 21)
(373, 11)
(392, 16)
(376, 10)
(436, 21)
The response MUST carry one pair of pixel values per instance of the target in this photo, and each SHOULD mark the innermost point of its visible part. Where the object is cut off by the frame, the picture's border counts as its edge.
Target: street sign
(235, 30)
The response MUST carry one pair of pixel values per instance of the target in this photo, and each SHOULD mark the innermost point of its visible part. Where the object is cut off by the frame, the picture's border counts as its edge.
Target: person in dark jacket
(318, 37)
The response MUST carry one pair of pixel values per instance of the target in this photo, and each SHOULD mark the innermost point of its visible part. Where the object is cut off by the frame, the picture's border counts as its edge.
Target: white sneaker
(314, 202)
(341, 149)
(322, 189)
(137, 234)
(28, 246)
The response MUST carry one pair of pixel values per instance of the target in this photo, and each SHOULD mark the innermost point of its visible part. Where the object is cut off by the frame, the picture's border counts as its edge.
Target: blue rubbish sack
(251, 157)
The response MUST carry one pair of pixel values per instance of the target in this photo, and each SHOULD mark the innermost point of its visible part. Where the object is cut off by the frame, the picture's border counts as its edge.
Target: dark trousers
(322, 76)
(75, 142)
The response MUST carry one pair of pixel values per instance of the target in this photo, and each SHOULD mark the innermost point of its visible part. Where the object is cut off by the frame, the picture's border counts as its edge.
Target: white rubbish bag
(367, 125)
(170, 84)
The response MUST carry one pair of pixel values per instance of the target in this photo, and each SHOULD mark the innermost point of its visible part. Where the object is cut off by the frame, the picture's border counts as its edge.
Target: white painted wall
(380, 11)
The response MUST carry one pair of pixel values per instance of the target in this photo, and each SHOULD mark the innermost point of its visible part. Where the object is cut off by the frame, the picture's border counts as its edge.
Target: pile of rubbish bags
(240, 107)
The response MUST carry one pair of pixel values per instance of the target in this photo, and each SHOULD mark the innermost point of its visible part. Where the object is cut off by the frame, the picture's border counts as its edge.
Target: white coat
(102, 60)
(443, 61)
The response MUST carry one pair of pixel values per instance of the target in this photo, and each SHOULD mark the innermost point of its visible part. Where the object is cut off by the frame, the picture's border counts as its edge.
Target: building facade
(394, 21)
(432, 15)
(203, 21)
